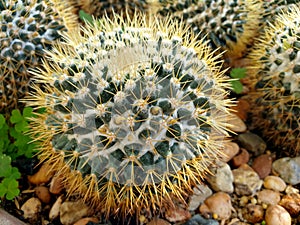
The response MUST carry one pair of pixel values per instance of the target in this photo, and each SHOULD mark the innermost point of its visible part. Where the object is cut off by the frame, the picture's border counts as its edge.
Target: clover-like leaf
(5, 165)
(10, 188)
(2, 121)
(27, 112)
(238, 73)
(16, 116)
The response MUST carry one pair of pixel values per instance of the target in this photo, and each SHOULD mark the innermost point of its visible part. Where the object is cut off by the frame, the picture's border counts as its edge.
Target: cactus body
(276, 71)
(229, 25)
(135, 113)
(27, 29)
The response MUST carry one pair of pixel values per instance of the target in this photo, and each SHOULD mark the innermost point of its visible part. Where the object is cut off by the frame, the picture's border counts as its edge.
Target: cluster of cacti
(99, 8)
(27, 28)
(230, 25)
(276, 66)
(135, 113)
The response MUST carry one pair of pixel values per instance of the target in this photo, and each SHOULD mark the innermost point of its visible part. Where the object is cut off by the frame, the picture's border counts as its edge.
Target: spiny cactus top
(135, 110)
(277, 58)
(229, 24)
(27, 28)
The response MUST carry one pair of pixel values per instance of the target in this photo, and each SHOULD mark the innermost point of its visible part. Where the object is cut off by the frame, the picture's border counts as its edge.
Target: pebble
(277, 215)
(274, 183)
(86, 220)
(222, 178)
(291, 190)
(54, 211)
(291, 203)
(56, 185)
(158, 221)
(43, 194)
(199, 220)
(246, 181)
(42, 176)
(269, 197)
(229, 151)
(237, 125)
(70, 212)
(242, 158)
(241, 109)
(31, 208)
(252, 142)
(288, 169)
(201, 192)
(262, 165)
(177, 214)
(218, 204)
(253, 213)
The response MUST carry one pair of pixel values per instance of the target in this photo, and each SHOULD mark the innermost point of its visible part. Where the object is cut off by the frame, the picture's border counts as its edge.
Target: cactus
(276, 72)
(28, 27)
(135, 113)
(230, 25)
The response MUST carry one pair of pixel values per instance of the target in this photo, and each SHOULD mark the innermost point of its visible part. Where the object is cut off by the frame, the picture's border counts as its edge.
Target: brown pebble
(177, 214)
(262, 165)
(269, 197)
(43, 175)
(84, 221)
(229, 151)
(242, 109)
(277, 215)
(242, 158)
(56, 185)
(31, 208)
(291, 203)
(253, 213)
(237, 125)
(43, 194)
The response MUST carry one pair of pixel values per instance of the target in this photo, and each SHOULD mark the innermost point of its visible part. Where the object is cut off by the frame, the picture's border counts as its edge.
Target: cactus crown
(27, 29)
(230, 25)
(278, 80)
(134, 110)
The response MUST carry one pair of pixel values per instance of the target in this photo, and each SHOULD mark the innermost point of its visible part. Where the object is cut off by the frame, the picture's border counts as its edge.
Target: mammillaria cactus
(231, 25)
(28, 27)
(135, 113)
(276, 67)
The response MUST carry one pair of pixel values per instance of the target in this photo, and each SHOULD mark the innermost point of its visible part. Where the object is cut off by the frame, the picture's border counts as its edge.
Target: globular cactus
(27, 28)
(276, 75)
(228, 24)
(135, 113)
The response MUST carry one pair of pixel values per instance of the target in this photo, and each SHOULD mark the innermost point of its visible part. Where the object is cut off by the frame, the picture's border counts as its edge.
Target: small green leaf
(237, 86)
(16, 116)
(5, 166)
(27, 112)
(85, 17)
(2, 121)
(238, 73)
(21, 126)
(10, 188)
(15, 174)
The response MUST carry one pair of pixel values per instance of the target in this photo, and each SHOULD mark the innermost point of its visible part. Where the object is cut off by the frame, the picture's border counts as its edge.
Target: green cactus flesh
(27, 29)
(278, 81)
(136, 109)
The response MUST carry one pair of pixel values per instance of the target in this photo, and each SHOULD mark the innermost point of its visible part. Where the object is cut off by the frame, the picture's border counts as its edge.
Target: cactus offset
(276, 72)
(27, 29)
(231, 25)
(136, 113)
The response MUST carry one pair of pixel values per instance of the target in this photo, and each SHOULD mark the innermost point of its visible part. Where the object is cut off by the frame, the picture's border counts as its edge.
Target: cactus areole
(135, 113)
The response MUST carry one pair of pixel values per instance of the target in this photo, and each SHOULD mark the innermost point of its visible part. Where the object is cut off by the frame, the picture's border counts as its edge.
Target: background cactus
(276, 71)
(231, 25)
(27, 29)
(135, 113)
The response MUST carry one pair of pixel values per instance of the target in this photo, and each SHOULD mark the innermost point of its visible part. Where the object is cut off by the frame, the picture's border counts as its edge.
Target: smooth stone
(277, 215)
(158, 221)
(43, 194)
(201, 192)
(222, 178)
(237, 125)
(31, 208)
(218, 204)
(269, 197)
(70, 212)
(291, 190)
(242, 108)
(229, 151)
(246, 180)
(262, 165)
(42, 176)
(56, 185)
(177, 214)
(54, 211)
(274, 183)
(241, 158)
(199, 220)
(252, 142)
(291, 203)
(253, 213)
(288, 169)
